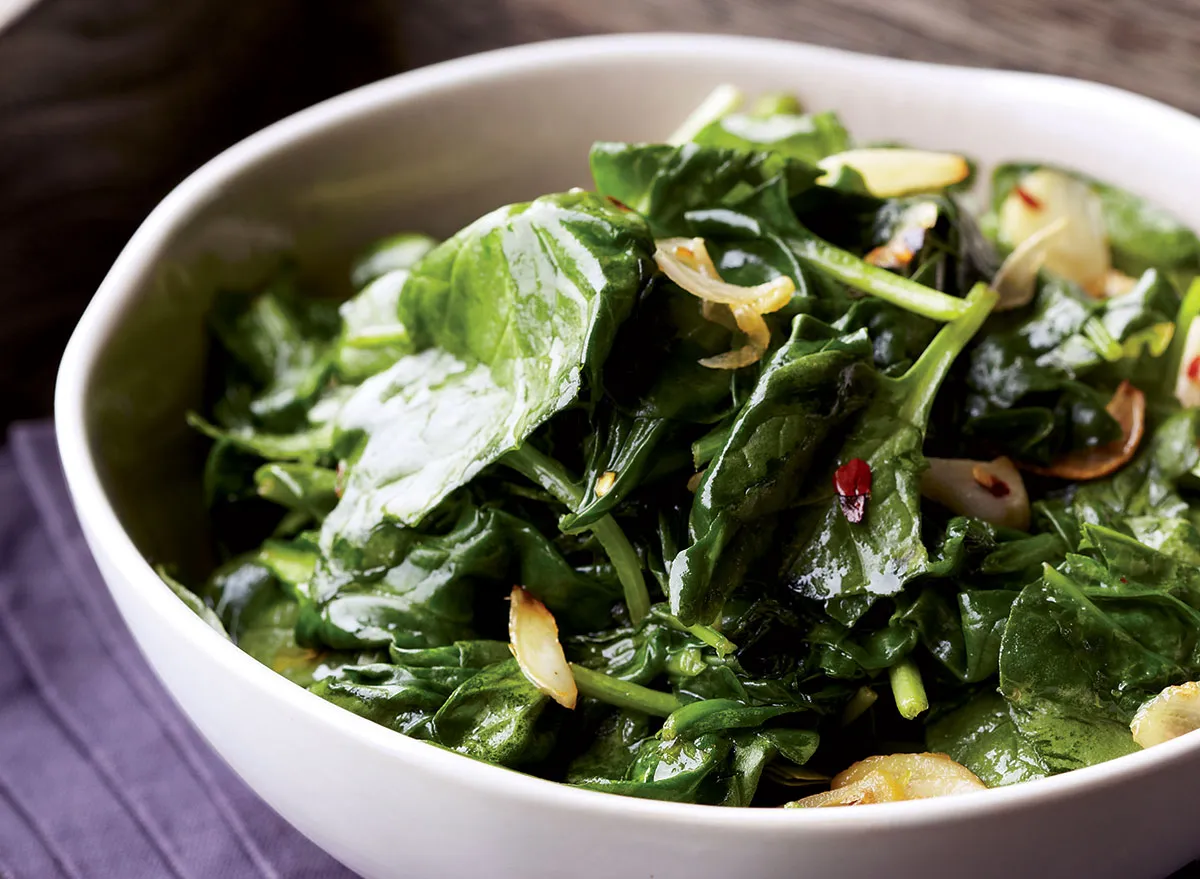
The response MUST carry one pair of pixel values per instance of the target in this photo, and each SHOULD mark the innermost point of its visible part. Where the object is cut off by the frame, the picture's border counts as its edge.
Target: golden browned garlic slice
(907, 240)
(533, 636)
(989, 490)
(686, 262)
(1016, 280)
(1118, 283)
(1172, 713)
(896, 777)
(1187, 383)
(1080, 251)
(1128, 407)
(891, 172)
(604, 483)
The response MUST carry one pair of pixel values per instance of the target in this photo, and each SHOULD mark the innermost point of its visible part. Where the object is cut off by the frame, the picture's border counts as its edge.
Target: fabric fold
(100, 773)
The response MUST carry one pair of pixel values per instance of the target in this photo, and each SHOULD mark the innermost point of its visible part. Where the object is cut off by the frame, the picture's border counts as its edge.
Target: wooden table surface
(1147, 46)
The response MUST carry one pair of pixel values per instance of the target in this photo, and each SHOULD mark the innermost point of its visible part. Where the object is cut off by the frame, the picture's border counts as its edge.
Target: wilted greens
(700, 414)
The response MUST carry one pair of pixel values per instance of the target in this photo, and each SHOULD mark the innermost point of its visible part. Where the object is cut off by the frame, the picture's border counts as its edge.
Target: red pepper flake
(1123, 580)
(617, 203)
(852, 482)
(1193, 369)
(990, 482)
(1032, 201)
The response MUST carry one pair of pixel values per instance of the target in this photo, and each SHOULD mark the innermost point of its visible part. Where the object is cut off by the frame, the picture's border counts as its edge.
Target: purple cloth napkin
(100, 774)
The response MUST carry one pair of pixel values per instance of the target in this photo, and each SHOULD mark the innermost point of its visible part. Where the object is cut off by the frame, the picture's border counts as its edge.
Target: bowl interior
(432, 150)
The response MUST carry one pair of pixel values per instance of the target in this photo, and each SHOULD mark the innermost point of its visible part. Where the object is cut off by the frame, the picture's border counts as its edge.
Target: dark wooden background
(106, 104)
(1148, 46)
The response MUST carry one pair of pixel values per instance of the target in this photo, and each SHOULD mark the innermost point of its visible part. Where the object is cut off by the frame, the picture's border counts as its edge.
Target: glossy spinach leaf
(494, 716)
(281, 345)
(806, 137)
(193, 601)
(848, 564)
(551, 278)
(372, 337)
(674, 771)
(663, 183)
(405, 693)
(260, 615)
(396, 253)
(1027, 371)
(1092, 640)
(421, 591)
(982, 736)
(806, 391)
(300, 487)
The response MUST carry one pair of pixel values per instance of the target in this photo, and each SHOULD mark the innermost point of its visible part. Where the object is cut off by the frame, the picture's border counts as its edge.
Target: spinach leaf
(805, 392)
(260, 615)
(1026, 371)
(372, 337)
(422, 594)
(396, 253)
(808, 138)
(552, 279)
(280, 342)
(982, 736)
(638, 655)
(311, 443)
(848, 564)
(1092, 640)
(300, 487)
(193, 601)
(406, 693)
(663, 183)
(1146, 491)
(494, 716)
(660, 770)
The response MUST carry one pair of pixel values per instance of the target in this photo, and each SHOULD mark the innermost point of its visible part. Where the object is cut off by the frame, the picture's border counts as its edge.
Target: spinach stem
(623, 694)
(546, 472)
(863, 698)
(925, 376)
(706, 634)
(908, 689)
(628, 565)
(1106, 346)
(776, 103)
(553, 477)
(881, 283)
(722, 101)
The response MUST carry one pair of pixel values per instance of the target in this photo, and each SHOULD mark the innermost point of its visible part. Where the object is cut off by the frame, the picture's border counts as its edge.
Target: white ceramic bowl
(431, 150)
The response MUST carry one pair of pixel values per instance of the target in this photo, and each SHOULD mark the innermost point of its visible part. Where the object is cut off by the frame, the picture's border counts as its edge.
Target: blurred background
(107, 104)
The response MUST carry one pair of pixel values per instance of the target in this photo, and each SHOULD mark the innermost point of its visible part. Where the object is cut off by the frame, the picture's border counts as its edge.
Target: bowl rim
(103, 529)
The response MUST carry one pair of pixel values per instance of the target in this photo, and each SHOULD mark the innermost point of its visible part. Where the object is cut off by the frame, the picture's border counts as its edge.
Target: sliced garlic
(1016, 281)
(896, 777)
(1187, 383)
(1128, 407)
(875, 787)
(533, 635)
(908, 239)
(1118, 284)
(686, 262)
(604, 483)
(892, 172)
(1080, 251)
(992, 491)
(1172, 713)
